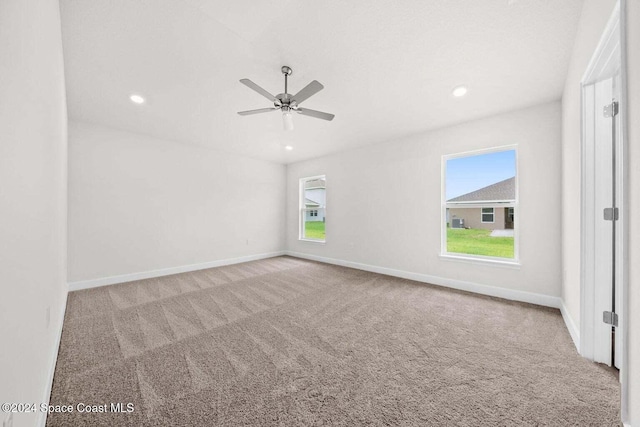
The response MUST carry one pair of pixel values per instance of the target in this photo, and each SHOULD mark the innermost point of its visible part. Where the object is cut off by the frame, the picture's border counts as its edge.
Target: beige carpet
(297, 343)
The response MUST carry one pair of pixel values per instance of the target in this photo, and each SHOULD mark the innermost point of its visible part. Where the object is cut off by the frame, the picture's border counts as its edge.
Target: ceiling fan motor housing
(284, 100)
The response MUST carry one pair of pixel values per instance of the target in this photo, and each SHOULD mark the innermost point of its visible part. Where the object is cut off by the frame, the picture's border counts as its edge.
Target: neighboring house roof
(316, 183)
(310, 203)
(500, 191)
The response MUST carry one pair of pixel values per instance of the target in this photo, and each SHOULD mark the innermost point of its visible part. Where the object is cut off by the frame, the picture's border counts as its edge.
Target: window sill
(312, 241)
(513, 264)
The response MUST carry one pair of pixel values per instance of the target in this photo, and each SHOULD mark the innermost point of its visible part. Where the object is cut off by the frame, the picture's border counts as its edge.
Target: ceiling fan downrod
(287, 71)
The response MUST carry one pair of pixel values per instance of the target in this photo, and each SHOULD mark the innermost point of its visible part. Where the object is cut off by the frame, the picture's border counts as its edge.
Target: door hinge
(611, 214)
(611, 110)
(610, 318)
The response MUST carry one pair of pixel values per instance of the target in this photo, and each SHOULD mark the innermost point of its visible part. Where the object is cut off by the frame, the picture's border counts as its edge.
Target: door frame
(612, 43)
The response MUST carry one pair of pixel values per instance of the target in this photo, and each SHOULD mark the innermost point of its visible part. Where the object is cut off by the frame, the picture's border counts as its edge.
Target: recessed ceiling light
(136, 99)
(288, 147)
(459, 91)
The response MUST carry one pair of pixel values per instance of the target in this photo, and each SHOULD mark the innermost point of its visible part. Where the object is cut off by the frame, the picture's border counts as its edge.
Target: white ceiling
(388, 66)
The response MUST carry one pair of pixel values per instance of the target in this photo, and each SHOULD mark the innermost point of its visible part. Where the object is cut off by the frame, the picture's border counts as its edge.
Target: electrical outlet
(48, 317)
(8, 422)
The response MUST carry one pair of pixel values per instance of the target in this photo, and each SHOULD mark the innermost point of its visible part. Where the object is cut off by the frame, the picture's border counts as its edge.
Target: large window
(479, 205)
(313, 196)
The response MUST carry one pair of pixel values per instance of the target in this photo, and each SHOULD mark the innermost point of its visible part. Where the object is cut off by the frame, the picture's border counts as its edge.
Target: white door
(602, 157)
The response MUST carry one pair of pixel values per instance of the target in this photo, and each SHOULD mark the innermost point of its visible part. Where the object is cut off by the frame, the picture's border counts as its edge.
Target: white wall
(33, 167)
(633, 78)
(139, 204)
(383, 202)
(595, 14)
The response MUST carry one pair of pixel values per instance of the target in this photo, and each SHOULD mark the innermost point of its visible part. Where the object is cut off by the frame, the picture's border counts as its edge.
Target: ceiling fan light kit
(286, 102)
(287, 119)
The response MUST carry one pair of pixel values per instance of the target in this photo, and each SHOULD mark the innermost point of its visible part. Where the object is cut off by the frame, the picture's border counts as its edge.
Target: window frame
(302, 210)
(482, 259)
(492, 213)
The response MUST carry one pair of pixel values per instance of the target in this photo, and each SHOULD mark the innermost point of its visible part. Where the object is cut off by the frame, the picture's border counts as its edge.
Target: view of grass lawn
(314, 230)
(478, 242)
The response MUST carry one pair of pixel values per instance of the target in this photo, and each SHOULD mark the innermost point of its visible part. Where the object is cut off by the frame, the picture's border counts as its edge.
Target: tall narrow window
(479, 204)
(313, 196)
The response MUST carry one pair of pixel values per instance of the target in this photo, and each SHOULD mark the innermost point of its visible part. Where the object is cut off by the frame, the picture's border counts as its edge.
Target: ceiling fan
(286, 102)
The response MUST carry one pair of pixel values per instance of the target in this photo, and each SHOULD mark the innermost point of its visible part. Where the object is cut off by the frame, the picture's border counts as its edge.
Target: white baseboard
(571, 326)
(94, 283)
(42, 416)
(510, 294)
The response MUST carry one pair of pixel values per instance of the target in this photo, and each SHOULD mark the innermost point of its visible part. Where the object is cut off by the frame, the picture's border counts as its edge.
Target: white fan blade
(258, 89)
(316, 114)
(309, 90)
(258, 111)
